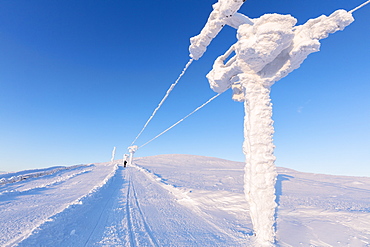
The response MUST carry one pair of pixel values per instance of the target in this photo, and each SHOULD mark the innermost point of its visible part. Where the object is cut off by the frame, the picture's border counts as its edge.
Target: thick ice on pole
(113, 154)
(224, 13)
(266, 51)
(131, 149)
(271, 48)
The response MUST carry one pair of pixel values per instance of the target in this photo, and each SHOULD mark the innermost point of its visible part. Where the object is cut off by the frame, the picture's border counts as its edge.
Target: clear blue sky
(80, 77)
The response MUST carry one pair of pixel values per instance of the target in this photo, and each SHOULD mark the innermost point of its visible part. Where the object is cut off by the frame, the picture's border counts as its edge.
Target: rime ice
(224, 12)
(268, 49)
(273, 47)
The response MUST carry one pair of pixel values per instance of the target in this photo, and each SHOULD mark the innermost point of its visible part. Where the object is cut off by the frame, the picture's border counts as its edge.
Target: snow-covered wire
(360, 6)
(208, 101)
(164, 98)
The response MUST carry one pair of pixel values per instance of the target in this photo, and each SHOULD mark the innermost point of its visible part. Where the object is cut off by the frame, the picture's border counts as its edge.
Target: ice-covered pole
(113, 154)
(265, 52)
(131, 150)
(260, 172)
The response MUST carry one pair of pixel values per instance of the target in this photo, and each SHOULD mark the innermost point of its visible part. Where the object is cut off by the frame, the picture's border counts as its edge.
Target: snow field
(180, 200)
(313, 209)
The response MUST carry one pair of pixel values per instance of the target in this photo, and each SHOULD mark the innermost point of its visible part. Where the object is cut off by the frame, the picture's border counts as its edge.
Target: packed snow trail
(88, 223)
(129, 210)
(177, 200)
(26, 204)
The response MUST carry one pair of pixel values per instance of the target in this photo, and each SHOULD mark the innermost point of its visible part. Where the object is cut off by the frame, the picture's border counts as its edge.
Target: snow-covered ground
(175, 200)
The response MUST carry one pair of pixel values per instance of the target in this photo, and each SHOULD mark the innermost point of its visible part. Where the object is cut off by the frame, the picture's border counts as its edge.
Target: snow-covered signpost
(268, 49)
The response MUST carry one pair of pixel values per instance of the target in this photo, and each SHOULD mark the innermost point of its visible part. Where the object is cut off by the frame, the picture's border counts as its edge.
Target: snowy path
(172, 224)
(85, 224)
(176, 200)
(130, 210)
(28, 203)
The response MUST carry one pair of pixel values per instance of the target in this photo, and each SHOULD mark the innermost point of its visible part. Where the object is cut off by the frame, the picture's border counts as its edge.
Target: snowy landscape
(175, 200)
(189, 200)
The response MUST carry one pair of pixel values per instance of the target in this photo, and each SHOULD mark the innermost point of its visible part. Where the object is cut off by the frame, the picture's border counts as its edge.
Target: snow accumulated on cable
(224, 12)
(267, 50)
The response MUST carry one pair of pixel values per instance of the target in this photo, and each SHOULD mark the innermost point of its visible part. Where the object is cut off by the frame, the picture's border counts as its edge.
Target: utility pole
(131, 150)
(113, 154)
(268, 49)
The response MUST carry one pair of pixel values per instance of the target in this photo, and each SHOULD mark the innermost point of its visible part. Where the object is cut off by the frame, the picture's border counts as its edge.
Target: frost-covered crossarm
(223, 14)
(273, 47)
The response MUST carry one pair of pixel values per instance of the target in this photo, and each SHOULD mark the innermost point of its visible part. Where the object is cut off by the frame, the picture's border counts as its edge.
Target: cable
(175, 83)
(181, 119)
(359, 7)
(164, 98)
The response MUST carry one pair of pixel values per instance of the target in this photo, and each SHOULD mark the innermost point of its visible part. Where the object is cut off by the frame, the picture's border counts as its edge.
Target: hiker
(125, 160)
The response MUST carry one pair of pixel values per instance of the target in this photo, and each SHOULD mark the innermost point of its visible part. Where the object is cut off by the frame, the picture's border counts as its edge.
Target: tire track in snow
(132, 203)
(146, 226)
(76, 224)
(104, 209)
(128, 216)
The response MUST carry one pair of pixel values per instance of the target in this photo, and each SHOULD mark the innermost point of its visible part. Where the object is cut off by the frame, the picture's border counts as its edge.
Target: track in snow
(137, 225)
(130, 210)
(82, 224)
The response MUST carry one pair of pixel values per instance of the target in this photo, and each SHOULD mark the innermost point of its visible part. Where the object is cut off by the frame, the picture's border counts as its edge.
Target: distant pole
(132, 150)
(113, 154)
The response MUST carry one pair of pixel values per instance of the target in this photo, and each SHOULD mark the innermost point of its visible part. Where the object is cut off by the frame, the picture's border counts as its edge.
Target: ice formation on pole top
(273, 47)
(132, 149)
(224, 13)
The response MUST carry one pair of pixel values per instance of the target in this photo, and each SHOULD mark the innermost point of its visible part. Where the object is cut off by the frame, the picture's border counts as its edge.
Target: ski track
(137, 223)
(74, 226)
(145, 205)
(27, 204)
(8, 178)
(128, 210)
(20, 184)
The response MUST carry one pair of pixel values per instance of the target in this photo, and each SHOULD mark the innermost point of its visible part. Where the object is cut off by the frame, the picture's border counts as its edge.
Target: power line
(175, 83)
(359, 7)
(164, 98)
(208, 101)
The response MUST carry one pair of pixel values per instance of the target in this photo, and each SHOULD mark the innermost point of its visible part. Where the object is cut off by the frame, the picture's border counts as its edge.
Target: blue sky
(80, 77)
